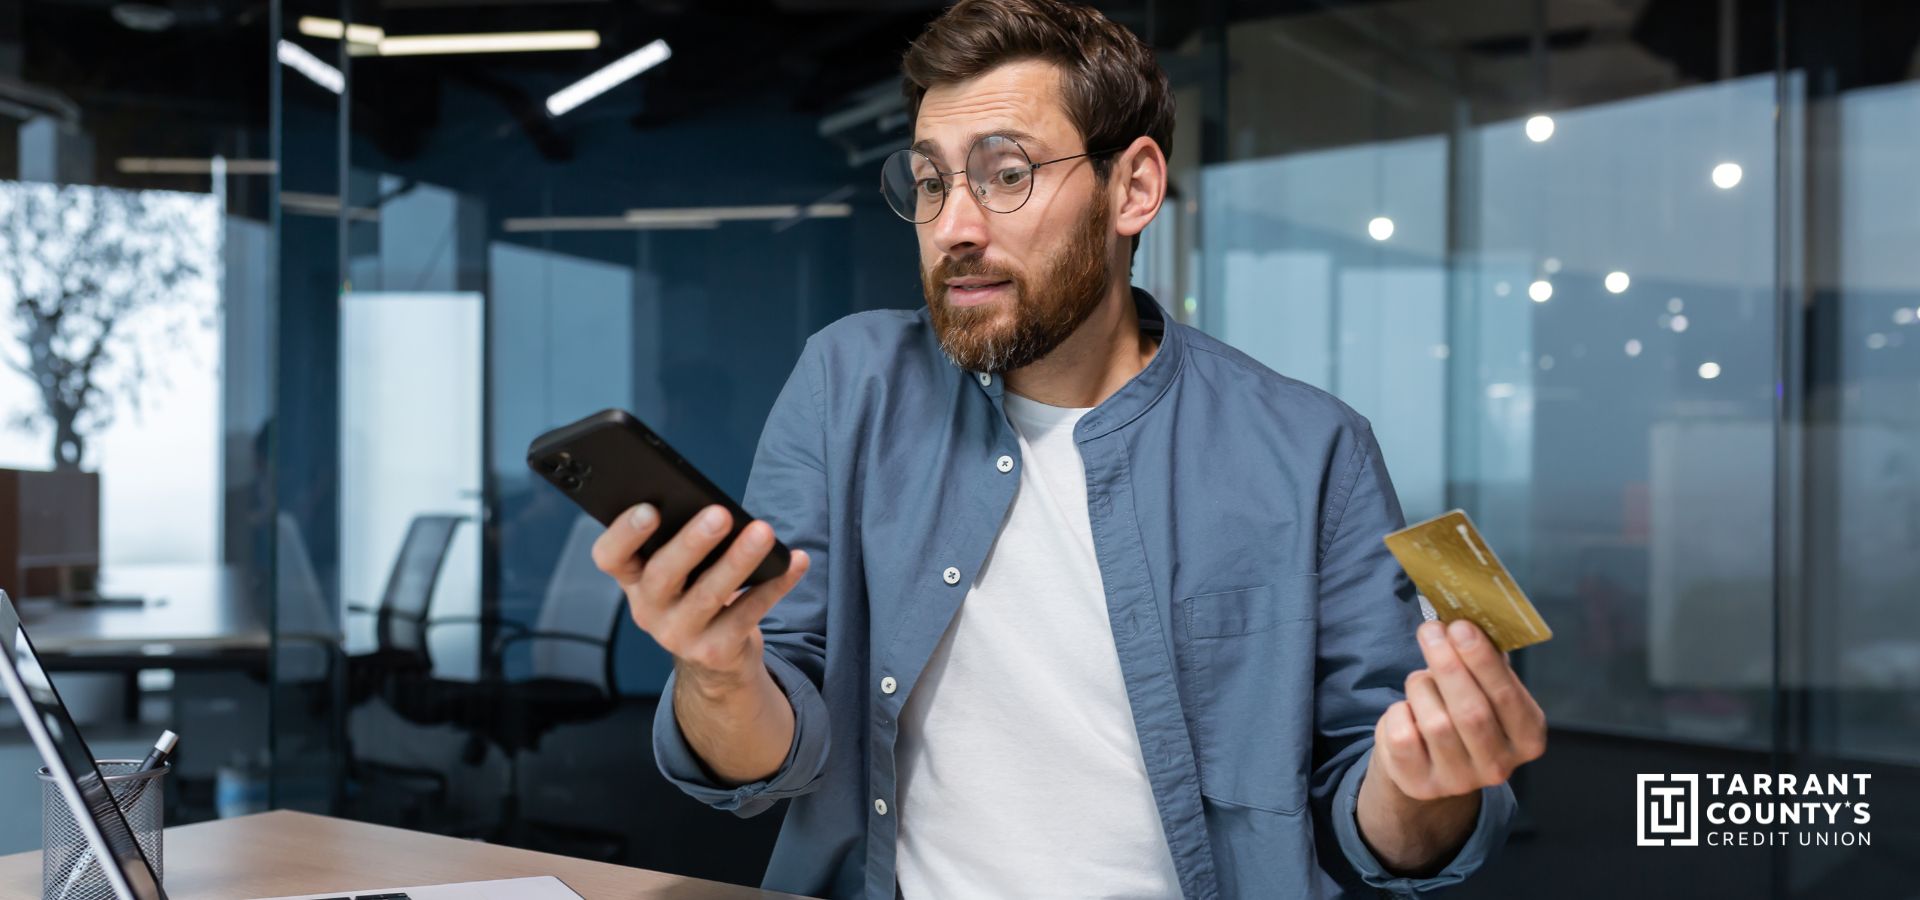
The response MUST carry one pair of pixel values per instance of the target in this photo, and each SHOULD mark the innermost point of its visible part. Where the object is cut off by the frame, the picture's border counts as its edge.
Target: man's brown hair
(1113, 89)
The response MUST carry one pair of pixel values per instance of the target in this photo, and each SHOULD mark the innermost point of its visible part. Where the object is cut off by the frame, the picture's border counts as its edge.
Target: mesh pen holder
(69, 869)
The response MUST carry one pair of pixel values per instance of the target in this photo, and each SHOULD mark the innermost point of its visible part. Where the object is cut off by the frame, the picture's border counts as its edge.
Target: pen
(162, 749)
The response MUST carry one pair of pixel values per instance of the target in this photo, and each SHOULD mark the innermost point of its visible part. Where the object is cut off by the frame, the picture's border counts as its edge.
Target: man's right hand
(711, 626)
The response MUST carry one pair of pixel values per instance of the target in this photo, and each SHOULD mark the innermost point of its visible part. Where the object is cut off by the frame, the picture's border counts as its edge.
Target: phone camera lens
(570, 482)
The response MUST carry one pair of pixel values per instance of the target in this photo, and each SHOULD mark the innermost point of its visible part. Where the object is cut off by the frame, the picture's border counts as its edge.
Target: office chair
(570, 650)
(400, 619)
(570, 647)
(400, 655)
(570, 679)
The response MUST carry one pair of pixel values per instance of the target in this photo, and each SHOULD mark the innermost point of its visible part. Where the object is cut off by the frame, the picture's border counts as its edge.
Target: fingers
(616, 551)
(749, 608)
(731, 639)
(1512, 704)
(1398, 736)
(720, 583)
(666, 571)
(1468, 708)
(1450, 763)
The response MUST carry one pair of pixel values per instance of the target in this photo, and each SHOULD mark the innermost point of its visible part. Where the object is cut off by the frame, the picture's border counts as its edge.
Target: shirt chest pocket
(1246, 679)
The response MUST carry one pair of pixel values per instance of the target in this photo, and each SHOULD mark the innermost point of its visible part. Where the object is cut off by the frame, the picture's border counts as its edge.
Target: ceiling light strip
(503, 42)
(332, 30)
(608, 77)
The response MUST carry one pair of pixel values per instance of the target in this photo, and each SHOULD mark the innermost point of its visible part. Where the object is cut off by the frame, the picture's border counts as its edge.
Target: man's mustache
(967, 267)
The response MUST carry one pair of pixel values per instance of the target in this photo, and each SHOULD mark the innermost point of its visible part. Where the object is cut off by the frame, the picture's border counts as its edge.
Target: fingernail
(756, 538)
(644, 516)
(1430, 634)
(1463, 632)
(713, 519)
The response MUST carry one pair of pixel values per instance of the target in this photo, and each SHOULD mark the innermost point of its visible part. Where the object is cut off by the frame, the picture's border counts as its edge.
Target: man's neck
(1107, 350)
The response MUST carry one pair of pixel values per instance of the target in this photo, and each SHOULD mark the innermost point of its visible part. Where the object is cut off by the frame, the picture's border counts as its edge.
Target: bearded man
(1082, 602)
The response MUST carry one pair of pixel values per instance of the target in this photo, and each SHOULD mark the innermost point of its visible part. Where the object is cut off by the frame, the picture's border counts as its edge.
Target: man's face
(1005, 289)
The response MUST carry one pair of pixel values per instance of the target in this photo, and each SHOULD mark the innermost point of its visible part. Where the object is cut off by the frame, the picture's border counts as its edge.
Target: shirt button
(887, 685)
(880, 806)
(985, 379)
(1004, 464)
(951, 575)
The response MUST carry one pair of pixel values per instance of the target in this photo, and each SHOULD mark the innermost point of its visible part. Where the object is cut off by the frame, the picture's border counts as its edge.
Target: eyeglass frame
(946, 178)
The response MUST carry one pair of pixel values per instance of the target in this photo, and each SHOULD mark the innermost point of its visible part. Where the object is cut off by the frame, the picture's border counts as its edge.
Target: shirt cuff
(1489, 833)
(806, 758)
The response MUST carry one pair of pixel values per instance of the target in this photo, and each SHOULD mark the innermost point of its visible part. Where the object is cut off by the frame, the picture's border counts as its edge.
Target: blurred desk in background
(197, 616)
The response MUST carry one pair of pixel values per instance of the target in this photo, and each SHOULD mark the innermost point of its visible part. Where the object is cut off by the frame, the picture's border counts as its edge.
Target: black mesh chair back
(402, 616)
(572, 638)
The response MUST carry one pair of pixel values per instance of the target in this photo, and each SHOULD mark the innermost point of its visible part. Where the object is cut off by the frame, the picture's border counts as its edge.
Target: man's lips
(969, 291)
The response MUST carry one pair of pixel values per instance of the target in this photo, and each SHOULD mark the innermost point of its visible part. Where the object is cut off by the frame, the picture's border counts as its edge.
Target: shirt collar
(1140, 392)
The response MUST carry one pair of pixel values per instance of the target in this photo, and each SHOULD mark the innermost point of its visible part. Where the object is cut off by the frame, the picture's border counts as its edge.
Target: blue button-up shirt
(1262, 626)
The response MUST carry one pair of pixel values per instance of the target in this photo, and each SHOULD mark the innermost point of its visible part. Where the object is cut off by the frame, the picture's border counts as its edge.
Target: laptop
(71, 765)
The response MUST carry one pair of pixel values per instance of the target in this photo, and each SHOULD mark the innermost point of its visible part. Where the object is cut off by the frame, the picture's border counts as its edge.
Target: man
(1082, 602)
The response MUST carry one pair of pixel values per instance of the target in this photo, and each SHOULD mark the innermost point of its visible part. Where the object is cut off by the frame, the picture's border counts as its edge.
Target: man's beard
(1045, 312)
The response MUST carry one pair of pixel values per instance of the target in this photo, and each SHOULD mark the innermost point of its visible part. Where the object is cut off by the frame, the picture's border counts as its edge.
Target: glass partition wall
(474, 267)
(1622, 282)
(135, 261)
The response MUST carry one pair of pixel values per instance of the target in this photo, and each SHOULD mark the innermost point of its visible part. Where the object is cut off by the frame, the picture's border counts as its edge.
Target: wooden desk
(280, 853)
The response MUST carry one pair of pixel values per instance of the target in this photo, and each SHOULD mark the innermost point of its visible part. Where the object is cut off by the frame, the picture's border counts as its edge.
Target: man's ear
(1139, 184)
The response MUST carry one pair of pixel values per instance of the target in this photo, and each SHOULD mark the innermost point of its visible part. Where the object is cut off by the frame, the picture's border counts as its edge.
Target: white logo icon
(1669, 811)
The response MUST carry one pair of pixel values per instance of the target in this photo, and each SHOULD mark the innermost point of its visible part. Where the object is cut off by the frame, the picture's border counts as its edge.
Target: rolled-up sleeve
(788, 489)
(1489, 832)
(1366, 647)
(806, 758)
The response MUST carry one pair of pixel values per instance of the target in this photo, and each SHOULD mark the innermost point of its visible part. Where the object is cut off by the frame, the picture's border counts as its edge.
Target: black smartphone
(609, 462)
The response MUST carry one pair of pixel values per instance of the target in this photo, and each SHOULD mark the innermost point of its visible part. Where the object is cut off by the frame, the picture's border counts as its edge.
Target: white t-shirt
(1020, 773)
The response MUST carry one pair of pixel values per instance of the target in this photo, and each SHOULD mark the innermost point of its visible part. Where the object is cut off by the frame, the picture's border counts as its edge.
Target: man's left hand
(1467, 722)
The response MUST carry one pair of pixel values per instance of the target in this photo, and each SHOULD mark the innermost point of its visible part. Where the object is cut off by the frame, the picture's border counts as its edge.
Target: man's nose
(961, 226)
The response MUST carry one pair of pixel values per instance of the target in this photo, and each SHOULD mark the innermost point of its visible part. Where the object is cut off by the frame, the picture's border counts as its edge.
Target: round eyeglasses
(999, 176)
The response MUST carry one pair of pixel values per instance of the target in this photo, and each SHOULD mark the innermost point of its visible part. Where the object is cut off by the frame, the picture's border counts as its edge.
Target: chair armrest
(505, 624)
(500, 643)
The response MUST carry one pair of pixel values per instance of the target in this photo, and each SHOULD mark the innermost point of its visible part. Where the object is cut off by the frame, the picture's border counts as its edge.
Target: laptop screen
(71, 763)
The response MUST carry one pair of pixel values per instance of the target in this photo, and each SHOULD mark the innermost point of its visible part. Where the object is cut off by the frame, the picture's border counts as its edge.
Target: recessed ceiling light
(502, 42)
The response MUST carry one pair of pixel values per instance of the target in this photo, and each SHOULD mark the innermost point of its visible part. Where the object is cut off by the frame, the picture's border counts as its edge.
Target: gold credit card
(1459, 575)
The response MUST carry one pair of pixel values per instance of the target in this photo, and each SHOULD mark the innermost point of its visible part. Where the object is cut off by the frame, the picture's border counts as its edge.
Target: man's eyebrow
(927, 147)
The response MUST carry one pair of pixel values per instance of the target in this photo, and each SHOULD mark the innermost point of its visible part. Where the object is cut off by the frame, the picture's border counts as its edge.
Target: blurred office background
(1634, 282)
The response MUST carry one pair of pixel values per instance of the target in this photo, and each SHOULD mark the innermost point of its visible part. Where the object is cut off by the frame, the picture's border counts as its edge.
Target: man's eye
(931, 186)
(1011, 177)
